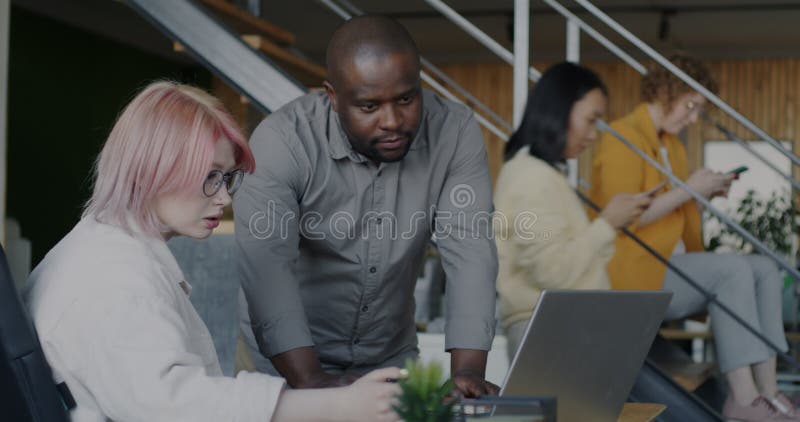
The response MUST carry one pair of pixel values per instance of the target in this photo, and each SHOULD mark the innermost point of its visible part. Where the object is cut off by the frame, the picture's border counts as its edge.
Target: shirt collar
(421, 139)
(644, 124)
(338, 143)
(161, 252)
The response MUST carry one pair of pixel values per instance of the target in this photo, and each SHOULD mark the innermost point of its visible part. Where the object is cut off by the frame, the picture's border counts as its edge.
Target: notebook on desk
(586, 347)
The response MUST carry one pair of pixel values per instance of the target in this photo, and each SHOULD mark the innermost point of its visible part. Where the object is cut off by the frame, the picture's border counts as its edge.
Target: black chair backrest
(26, 382)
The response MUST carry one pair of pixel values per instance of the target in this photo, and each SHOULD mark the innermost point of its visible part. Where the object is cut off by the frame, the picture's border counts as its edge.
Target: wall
(66, 87)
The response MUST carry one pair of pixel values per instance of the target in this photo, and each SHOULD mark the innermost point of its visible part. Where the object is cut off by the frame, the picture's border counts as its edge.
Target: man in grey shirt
(350, 185)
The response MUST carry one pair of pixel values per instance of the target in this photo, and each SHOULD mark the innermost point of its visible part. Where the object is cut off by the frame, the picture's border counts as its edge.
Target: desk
(640, 412)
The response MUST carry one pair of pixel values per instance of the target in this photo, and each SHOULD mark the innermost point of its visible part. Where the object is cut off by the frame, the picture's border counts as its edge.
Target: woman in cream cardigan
(544, 238)
(111, 305)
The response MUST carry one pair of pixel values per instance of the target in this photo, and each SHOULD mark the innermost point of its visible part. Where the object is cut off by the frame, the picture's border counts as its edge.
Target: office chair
(27, 389)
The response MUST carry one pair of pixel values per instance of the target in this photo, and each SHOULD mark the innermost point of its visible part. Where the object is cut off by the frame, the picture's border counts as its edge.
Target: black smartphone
(738, 170)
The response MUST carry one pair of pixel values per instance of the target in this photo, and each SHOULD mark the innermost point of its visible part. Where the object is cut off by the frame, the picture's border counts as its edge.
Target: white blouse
(114, 318)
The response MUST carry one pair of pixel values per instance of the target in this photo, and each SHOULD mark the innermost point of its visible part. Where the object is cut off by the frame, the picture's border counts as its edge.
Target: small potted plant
(425, 396)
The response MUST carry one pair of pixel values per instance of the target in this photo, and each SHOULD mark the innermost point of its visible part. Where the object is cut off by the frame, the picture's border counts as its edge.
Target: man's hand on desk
(473, 385)
(467, 368)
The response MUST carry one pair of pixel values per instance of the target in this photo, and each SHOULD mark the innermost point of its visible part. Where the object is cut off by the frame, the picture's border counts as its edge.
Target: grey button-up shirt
(331, 245)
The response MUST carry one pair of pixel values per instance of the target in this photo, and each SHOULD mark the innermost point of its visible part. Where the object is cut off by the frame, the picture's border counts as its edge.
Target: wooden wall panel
(491, 84)
(765, 91)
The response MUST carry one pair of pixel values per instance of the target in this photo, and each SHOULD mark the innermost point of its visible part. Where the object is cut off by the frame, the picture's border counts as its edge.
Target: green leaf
(424, 396)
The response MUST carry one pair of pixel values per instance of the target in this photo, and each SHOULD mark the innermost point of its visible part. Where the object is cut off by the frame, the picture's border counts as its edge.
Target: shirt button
(356, 341)
(364, 308)
(373, 270)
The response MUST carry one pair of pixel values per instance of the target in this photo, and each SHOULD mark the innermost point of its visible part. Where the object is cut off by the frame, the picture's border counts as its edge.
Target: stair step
(244, 18)
(688, 374)
(680, 334)
(275, 51)
(312, 74)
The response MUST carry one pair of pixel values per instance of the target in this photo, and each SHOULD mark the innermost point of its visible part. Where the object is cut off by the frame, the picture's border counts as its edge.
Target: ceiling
(712, 29)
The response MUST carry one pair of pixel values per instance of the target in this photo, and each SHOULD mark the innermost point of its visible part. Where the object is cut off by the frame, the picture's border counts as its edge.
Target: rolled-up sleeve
(463, 230)
(266, 215)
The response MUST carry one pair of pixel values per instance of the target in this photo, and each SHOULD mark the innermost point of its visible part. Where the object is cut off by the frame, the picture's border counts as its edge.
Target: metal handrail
(749, 148)
(605, 42)
(449, 95)
(480, 36)
(688, 80)
(430, 67)
(351, 7)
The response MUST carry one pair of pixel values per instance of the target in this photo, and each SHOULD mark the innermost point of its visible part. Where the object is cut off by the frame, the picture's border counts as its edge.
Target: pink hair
(162, 142)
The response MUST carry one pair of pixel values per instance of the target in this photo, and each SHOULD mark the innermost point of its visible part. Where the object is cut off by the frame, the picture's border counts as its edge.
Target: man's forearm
(468, 361)
(302, 369)
(299, 366)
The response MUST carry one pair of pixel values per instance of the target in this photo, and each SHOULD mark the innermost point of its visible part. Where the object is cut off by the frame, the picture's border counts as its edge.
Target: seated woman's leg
(769, 299)
(731, 279)
(768, 284)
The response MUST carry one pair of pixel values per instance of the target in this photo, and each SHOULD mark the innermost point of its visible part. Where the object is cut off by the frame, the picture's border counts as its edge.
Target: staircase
(227, 55)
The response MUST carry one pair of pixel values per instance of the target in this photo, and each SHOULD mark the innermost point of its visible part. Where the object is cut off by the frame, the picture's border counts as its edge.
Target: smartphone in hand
(738, 170)
(652, 192)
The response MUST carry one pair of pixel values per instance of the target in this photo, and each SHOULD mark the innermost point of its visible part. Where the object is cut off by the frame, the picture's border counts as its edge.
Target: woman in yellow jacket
(750, 285)
(544, 239)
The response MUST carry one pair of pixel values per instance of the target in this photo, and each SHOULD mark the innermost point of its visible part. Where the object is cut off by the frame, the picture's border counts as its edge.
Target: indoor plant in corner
(773, 221)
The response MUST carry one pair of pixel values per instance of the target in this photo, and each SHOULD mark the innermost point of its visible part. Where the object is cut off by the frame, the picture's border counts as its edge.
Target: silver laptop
(586, 347)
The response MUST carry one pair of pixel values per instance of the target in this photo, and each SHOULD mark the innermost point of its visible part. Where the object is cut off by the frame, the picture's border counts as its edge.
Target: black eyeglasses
(215, 179)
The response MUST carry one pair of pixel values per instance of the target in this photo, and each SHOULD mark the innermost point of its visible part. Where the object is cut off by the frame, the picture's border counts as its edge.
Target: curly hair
(660, 85)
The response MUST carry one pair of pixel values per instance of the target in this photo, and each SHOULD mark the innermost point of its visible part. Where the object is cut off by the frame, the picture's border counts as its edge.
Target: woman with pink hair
(110, 303)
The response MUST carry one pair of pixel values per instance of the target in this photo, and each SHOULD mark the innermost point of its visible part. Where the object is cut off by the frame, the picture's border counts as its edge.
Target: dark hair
(544, 125)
